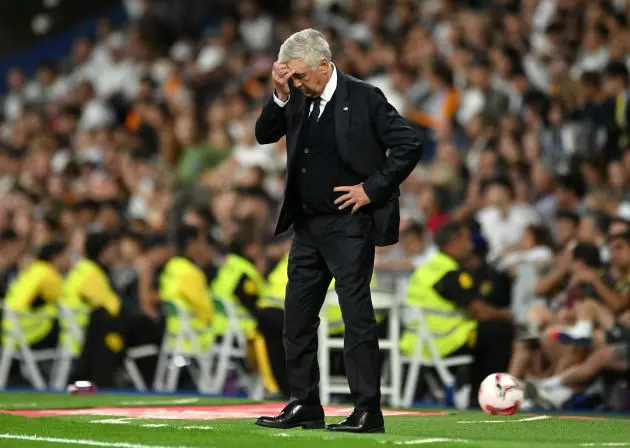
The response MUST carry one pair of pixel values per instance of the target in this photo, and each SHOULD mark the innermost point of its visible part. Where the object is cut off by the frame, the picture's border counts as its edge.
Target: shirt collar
(329, 90)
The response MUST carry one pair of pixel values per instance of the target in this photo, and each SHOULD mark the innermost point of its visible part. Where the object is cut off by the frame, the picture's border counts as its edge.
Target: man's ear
(323, 65)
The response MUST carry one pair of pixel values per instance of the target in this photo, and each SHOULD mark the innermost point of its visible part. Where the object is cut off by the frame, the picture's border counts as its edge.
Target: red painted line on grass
(200, 412)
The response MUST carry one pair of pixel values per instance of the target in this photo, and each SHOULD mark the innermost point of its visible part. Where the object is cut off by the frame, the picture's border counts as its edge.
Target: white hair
(309, 45)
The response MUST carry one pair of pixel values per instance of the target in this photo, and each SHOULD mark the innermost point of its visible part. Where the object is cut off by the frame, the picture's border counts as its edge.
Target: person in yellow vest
(240, 284)
(108, 325)
(184, 284)
(33, 296)
(459, 320)
(271, 321)
(616, 83)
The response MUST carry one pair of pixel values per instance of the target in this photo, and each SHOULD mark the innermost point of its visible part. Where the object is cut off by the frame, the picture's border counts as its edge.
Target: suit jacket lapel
(342, 114)
(297, 118)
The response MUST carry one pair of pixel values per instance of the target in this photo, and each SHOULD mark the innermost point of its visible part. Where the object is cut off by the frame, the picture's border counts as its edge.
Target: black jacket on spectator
(366, 128)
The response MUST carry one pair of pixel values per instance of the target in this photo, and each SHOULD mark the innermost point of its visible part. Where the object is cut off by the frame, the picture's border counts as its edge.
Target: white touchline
(205, 428)
(520, 420)
(606, 444)
(87, 442)
(19, 405)
(159, 402)
(154, 425)
(114, 421)
(428, 441)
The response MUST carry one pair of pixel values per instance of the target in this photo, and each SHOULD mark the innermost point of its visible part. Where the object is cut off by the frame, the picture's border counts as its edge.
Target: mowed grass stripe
(401, 431)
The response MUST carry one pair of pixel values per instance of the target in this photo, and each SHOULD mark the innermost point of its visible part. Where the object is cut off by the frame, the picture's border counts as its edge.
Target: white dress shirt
(502, 231)
(326, 96)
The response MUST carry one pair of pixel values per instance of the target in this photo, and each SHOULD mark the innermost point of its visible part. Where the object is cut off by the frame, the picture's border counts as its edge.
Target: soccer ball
(500, 394)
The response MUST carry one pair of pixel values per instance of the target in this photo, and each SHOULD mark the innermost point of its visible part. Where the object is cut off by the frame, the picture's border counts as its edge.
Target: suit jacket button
(303, 170)
(306, 150)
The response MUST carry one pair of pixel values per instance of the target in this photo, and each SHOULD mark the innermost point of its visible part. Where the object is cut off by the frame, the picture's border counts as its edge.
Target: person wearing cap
(459, 319)
(33, 296)
(241, 283)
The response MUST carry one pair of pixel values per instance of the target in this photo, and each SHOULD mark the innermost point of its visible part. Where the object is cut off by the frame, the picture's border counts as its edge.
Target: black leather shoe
(360, 421)
(296, 414)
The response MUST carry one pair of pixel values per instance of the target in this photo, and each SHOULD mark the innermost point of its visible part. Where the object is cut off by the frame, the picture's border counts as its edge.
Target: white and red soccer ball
(500, 394)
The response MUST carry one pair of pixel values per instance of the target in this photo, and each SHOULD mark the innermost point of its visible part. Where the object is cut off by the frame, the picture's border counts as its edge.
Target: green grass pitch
(451, 429)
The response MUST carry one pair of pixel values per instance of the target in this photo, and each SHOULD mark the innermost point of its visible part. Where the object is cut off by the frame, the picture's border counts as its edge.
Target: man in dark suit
(348, 151)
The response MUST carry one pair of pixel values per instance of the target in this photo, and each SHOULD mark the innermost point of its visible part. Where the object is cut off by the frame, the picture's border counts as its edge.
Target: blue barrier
(57, 47)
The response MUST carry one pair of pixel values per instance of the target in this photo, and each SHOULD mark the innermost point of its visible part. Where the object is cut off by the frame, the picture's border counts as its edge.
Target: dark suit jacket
(374, 141)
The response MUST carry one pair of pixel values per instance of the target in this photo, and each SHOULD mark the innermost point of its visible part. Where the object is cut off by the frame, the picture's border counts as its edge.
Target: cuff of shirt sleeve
(278, 101)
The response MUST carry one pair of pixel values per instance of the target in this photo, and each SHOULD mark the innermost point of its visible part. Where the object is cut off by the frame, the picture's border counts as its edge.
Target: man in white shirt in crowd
(502, 220)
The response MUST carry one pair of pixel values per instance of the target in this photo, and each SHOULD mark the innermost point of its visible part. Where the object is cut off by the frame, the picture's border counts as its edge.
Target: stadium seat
(427, 355)
(133, 354)
(329, 385)
(15, 347)
(180, 346)
(230, 353)
(71, 343)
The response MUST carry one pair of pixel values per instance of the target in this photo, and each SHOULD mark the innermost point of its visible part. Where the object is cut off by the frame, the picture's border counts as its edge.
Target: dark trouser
(270, 321)
(326, 246)
(106, 341)
(492, 352)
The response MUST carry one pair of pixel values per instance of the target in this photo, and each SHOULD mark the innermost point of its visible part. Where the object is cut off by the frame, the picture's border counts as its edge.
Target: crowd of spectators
(522, 106)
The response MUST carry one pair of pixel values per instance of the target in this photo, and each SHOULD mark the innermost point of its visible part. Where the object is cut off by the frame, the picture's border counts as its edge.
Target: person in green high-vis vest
(184, 285)
(34, 295)
(110, 326)
(458, 319)
(240, 283)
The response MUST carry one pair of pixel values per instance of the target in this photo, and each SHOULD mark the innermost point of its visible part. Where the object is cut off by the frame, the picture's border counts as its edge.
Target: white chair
(71, 343)
(178, 350)
(215, 364)
(391, 386)
(418, 359)
(15, 347)
(230, 353)
(134, 354)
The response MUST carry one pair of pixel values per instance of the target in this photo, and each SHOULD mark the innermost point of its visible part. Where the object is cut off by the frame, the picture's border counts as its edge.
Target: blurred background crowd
(522, 106)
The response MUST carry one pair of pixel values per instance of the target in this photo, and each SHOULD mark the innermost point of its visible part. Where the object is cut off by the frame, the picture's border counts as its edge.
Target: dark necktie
(314, 115)
(310, 118)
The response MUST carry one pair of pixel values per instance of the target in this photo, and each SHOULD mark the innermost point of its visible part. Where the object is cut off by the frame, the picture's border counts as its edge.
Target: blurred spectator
(503, 221)
(523, 107)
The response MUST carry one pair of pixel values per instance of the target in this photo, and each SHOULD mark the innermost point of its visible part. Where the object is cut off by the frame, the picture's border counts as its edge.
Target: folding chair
(391, 385)
(15, 347)
(134, 354)
(71, 340)
(425, 343)
(229, 351)
(179, 348)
